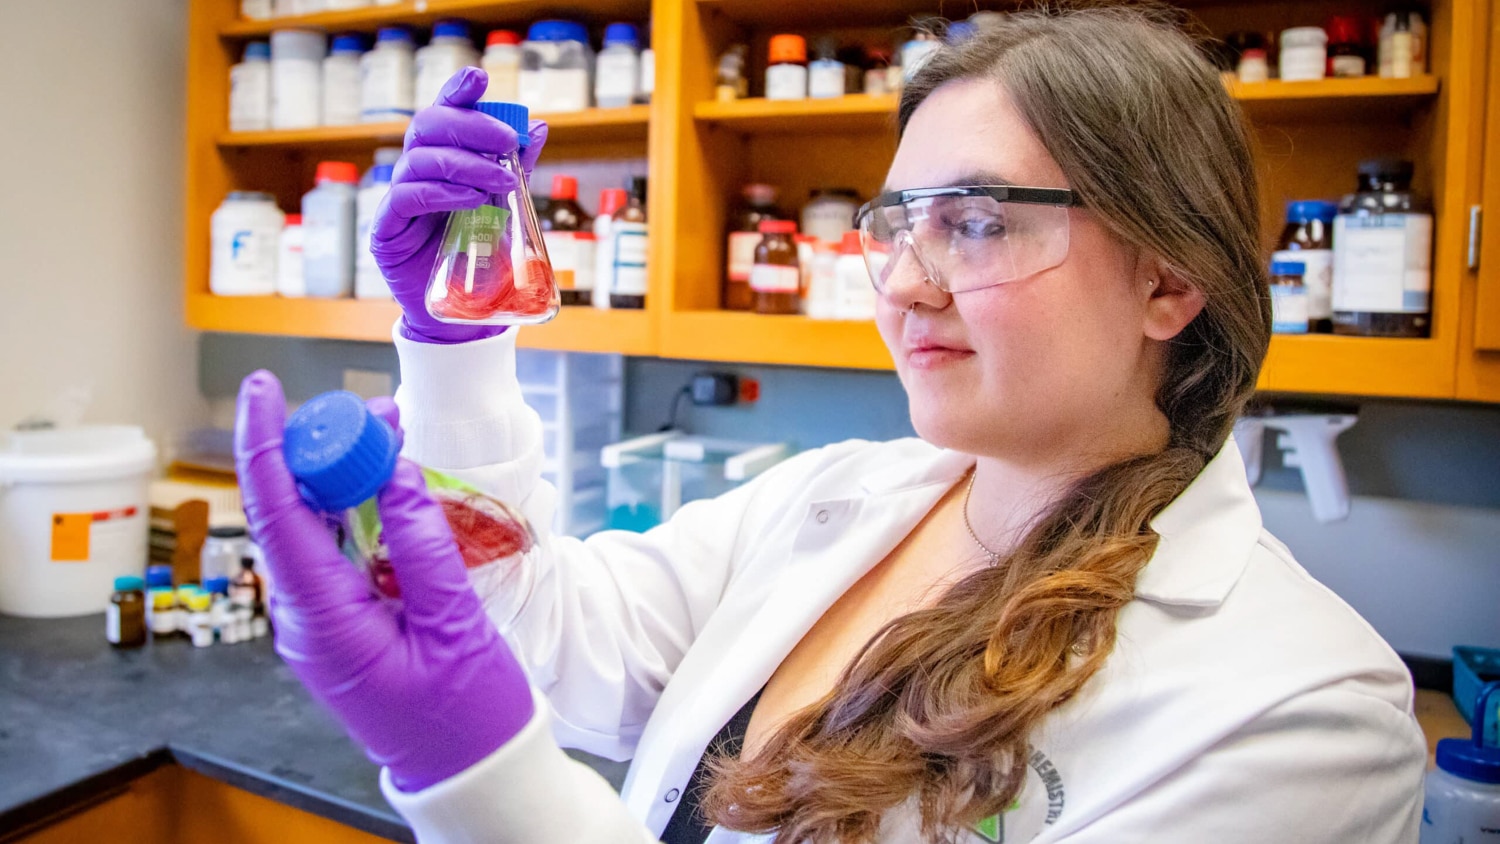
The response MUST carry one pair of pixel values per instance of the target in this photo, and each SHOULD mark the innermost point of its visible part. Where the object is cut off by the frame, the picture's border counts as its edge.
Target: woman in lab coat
(1053, 617)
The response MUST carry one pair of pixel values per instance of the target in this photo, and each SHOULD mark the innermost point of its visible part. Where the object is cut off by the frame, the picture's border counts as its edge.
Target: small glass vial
(492, 268)
(776, 277)
(125, 617)
(1308, 240)
(1382, 255)
(786, 68)
(164, 623)
(1288, 298)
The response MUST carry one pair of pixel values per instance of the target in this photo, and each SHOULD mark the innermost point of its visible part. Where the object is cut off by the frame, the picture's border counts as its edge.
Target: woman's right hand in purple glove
(448, 165)
(429, 689)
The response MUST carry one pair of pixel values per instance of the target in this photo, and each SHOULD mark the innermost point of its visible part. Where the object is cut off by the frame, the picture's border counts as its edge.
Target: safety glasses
(968, 237)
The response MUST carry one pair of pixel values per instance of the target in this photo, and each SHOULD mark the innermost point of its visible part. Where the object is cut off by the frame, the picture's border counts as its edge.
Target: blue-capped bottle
(493, 268)
(341, 455)
(1462, 800)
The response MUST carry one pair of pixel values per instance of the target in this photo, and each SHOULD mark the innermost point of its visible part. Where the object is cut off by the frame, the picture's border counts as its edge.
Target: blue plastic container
(1472, 668)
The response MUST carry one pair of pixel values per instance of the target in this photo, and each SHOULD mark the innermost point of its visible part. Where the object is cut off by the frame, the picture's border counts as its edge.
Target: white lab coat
(1244, 702)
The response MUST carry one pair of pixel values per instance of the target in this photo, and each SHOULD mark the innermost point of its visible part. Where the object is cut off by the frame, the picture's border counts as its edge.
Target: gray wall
(1417, 557)
(91, 213)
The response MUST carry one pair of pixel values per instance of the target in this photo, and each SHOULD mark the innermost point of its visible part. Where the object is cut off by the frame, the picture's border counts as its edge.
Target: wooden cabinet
(1310, 137)
(1479, 333)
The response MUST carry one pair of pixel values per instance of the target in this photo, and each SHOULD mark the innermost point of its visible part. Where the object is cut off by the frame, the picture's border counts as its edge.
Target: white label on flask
(1288, 309)
(769, 278)
(786, 82)
(1317, 277)
(562, 252)
(615, 78)
(341, 91)
(1382, 263)
(630, 240)
(250, 97)
(825, 79)
(112, 624)
(742, 254)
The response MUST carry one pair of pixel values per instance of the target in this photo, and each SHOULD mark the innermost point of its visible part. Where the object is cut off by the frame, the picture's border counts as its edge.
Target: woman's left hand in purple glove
(429, 689)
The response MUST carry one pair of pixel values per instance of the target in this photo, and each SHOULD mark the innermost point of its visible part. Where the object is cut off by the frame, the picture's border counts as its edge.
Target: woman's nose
(909, 282)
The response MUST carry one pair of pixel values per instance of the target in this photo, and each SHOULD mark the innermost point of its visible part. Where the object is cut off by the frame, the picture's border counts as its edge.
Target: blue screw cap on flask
(514, 115)
(338, 451)
(1471, 758)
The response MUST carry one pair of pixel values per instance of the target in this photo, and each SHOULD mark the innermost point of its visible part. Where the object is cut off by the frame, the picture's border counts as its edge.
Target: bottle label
(1382, 263)
(770, 278)
(786, 82)
(1347, 66)
(386, 85)
(825, 80)
(1317, 278)
(630, 258)
(476, 235)
(562, 251)
(742, 254)
(112, 624)
(615, 77)
(341, 92)
(1289, 305)
(164, 621)
(250, 97)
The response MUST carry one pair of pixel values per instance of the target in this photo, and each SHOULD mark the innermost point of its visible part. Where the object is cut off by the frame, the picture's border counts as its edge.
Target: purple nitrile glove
(429, 689)
(449, 165)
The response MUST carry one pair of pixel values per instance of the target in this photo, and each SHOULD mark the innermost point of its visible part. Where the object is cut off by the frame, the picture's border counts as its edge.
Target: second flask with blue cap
(492, 268)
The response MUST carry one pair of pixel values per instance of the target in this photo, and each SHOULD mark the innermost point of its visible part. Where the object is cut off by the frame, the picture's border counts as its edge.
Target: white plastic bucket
(73, 517)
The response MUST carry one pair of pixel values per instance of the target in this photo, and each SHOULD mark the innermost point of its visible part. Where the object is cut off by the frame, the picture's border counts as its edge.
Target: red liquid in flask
(495, 292)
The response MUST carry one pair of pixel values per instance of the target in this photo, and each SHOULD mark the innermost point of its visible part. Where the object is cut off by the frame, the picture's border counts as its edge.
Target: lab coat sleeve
(1332, 766)
(602, 624)
(526, 792)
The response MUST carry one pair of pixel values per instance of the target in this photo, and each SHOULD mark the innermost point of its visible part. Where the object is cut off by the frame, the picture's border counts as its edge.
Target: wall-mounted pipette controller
(1308, 442)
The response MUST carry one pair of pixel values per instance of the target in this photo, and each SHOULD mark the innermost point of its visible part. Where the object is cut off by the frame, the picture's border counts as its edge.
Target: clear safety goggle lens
(964, 243)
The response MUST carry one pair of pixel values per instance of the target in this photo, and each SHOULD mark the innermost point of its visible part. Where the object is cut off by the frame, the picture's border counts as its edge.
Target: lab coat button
(672, 795)
(822, 517)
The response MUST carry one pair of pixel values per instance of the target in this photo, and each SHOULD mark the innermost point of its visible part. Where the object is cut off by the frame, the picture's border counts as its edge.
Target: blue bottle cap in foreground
(1471, 758)
(514, 115)
(338, 451)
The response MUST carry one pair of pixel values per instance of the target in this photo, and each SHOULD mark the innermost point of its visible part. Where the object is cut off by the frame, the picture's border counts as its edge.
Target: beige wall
(90, 212)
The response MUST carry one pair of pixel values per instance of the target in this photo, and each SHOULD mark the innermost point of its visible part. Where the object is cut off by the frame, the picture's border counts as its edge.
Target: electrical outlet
(367, 383)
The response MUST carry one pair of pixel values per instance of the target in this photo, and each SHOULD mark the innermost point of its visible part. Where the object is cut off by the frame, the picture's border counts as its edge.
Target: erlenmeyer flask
(493, 267)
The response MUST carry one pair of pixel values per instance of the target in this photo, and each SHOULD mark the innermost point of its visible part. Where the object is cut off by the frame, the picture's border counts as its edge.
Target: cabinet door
(1487, 287)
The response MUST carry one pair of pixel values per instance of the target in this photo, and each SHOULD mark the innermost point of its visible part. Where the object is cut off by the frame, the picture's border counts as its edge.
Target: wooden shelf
(595, 125)
(1363, 98)
(1359, 366)
(855, 112)
(739, 336)
(575, 329)
(424, 12)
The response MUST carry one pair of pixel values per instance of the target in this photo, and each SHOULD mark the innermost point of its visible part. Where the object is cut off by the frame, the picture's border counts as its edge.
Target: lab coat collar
(1207, 533)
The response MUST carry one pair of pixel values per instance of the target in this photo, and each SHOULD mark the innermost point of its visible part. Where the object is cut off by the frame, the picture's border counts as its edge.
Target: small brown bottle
(125, 617)
(776, 277)
(245, 588)
(562, 221)
(759, 203)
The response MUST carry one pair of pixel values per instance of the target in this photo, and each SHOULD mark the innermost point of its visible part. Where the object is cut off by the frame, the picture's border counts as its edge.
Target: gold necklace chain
(992, 556)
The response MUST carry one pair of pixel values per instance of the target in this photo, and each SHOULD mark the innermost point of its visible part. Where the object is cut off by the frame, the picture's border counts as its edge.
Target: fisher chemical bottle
(250, 90)
(502, 64)
(342, 455)
(1382, 255)
(448, 52)
(368, 282)
(611, 200)
(386, 75)
(568, 231)
(630, 235)
(617, 72)
(243, 233)
(328, 231)
(1308, 240)
(341, 83)
(492, 266)
(776, 277)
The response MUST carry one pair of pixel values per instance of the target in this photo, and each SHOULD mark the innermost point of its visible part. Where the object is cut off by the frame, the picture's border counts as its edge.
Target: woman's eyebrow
(976, 177)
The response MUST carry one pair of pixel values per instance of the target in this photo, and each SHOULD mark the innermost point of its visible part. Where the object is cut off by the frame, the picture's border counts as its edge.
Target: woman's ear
(1171, 302)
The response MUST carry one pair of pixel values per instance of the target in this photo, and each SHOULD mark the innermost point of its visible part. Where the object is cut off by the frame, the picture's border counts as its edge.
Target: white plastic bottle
(243, 232)
(250, 90)
(855, 299)
(341, 81)
(289, 279)
(556, 63)
(368, 282)
(502, 63)
(647, 86)
(1463, 794)
(385, 77)
(449, 50)
(618, 69)
(825, 74)
(297, 78)
(328, 231)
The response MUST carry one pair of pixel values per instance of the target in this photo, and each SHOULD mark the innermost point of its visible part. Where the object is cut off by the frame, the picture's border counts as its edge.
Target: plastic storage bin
(651, 476)
(1472, 668)
(580, 399)
(73, 517)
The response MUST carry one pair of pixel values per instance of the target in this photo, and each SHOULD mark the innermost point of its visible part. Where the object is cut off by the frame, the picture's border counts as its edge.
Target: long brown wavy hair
(939, 706)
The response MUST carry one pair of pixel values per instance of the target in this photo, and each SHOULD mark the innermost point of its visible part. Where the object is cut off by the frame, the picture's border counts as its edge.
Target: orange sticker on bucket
(70, 537)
